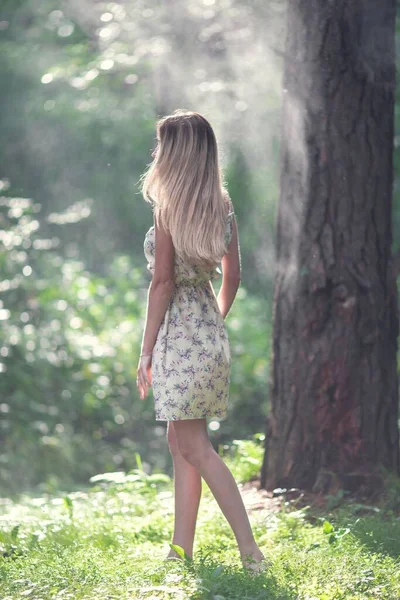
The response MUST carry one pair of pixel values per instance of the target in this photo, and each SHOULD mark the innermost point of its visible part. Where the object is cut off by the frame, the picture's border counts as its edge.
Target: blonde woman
(185, 354)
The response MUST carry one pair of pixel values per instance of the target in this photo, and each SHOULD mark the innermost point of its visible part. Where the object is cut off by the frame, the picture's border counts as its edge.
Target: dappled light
(74, 335)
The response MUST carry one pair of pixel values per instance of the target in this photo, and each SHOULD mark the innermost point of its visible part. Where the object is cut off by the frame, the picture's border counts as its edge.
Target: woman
(185, 354)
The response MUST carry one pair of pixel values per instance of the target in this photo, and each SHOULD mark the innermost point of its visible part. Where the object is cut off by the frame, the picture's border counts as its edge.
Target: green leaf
(159, 478)
(313, 546)
(112, 477)
(67, 502)
(68, 505)
(342, 532)
(217, 571)
(14, 532)
(138, 461)
(179, 550)
(332, 538)
(33, 540)
(327, 527)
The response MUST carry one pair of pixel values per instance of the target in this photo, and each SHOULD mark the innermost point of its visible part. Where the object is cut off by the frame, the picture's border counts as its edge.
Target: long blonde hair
(184, 184)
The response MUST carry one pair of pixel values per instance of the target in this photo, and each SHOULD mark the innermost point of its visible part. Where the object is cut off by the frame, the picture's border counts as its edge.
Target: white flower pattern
(191, 357)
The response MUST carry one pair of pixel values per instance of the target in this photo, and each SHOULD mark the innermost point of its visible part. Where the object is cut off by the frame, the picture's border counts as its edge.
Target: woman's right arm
(231, 273)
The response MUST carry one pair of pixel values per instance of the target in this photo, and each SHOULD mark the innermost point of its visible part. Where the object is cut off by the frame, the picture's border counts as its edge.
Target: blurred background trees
(82, 84)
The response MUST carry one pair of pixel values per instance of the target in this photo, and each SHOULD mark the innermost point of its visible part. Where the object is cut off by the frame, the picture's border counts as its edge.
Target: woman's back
(186, 272)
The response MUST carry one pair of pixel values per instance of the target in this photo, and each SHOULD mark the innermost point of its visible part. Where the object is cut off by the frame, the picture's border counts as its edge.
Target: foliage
(82, 85)
(68, 359)
(244, 457)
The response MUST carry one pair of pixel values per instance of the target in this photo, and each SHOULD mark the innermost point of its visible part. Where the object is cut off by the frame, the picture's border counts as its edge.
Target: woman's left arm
(160, 293)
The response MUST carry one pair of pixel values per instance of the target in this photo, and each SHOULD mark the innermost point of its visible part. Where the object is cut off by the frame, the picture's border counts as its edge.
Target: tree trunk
(334, 391)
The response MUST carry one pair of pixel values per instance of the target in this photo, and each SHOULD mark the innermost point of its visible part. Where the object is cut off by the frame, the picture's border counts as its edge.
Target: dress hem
(220, 417)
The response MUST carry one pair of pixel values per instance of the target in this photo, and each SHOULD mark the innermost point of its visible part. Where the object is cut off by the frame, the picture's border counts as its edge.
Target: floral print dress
(191, 357)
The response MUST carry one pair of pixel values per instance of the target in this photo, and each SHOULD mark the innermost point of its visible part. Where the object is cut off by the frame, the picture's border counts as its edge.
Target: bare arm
(231, 273)
(160, 293)
(161, 287)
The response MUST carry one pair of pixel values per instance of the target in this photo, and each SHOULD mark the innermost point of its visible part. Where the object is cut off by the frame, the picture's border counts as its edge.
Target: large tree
(334, 391)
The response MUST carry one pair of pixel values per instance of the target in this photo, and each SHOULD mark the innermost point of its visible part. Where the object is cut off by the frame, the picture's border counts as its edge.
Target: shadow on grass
(378, 533)
(375, 525)
(211, 579)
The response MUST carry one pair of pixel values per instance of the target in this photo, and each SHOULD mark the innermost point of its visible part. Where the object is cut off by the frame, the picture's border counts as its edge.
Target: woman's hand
(143, 379)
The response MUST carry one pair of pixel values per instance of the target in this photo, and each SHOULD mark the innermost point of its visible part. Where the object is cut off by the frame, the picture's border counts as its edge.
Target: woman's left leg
(196, 448)
(187, 486)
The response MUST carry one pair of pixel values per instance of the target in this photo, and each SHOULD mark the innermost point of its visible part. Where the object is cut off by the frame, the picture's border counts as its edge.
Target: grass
(110, 542)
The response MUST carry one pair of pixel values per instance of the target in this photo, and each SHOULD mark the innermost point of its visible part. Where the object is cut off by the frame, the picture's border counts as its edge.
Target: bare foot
(172, 555)
(254, 561)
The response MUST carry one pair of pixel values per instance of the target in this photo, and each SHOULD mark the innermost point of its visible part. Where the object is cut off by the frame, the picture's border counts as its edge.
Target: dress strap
(231, 210)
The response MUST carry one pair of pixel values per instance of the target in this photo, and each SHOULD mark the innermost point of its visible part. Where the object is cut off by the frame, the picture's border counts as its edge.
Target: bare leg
(187, 486)
(196, 448)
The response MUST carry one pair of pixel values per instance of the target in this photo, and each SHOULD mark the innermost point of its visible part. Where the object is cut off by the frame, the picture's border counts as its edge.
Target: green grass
(110, 541)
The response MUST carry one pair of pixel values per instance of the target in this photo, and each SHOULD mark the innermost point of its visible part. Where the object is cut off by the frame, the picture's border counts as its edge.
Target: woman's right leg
(187, 486)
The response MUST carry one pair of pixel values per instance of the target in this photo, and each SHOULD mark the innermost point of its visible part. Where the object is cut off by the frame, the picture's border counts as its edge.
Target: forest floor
(110, 541)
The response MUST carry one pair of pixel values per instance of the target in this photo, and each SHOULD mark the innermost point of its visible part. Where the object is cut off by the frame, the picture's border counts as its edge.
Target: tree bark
(334, 391)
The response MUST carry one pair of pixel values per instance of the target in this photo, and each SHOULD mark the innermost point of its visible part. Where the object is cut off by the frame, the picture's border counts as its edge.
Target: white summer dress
(191, 357)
